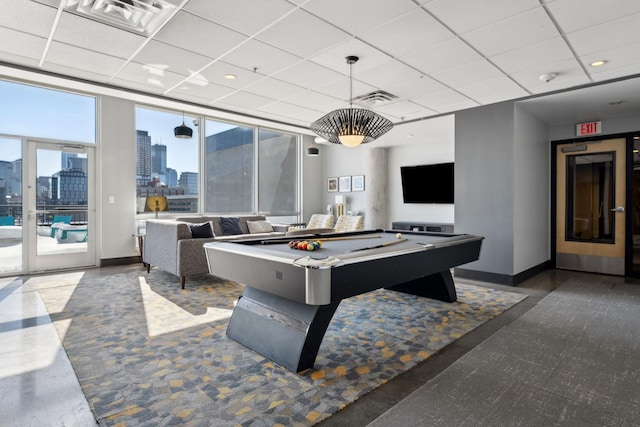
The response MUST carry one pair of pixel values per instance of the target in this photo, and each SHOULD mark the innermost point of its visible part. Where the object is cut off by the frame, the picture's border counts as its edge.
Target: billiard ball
(399, 235)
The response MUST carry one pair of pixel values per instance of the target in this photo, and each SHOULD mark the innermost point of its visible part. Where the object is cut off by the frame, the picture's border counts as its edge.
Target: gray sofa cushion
(230, 226)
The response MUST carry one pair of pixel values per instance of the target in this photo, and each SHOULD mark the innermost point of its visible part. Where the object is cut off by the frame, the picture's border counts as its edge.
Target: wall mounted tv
(427, 183)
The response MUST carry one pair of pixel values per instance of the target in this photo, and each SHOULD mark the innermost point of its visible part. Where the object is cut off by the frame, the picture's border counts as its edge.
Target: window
(591, 198)
(229, 166)
(57, 115)
(165, 165)
(277, 177)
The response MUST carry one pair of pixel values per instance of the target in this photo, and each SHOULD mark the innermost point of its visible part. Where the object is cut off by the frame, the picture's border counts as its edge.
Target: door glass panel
(10, 205)
(590, 198)
(61, 202)
(636, 205)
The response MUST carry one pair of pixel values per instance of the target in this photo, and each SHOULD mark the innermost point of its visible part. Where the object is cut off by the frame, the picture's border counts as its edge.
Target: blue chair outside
(7, 220)
(66, 219)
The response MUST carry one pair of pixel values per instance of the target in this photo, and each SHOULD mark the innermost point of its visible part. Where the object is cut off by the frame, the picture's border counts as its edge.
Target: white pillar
(376, 189)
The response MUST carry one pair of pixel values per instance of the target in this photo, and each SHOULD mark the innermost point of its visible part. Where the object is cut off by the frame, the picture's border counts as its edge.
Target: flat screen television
(428, 183)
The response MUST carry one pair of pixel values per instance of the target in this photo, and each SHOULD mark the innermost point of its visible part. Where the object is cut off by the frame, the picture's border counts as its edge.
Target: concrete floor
(38, 386)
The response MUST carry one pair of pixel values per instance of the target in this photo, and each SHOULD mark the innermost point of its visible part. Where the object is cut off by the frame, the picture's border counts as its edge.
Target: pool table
(291, 295)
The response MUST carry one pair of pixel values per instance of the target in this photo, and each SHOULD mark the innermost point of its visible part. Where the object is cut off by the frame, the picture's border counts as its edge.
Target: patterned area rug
(148, 353)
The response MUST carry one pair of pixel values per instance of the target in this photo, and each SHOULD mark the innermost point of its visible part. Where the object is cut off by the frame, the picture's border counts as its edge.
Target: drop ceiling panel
(82, 59)
(28, 17)
(340, 89)
(494, 90)
(308, 75)
(256, 54)
(606, 36)
(273, 88)
(334, 57)
(446, 101)
(77, 73)
(92, 35)
(234, 14)
(196, 34)
(524, 29)
(404, 110)
(315, 101)
(467, 74)
(217, 71)
(22, 44)
(388, 74)
(11, 58)
(615, 73)
(247, 100)
(423, 86)
(160, 79)
(202, 89)
(574, 15)
(285, 109)
(358, 16)
(412, 31)
(568, 73)
(442, 56)
(547, 51)
(621, 57)
(302, 34)
(171, 58)
(463, 16)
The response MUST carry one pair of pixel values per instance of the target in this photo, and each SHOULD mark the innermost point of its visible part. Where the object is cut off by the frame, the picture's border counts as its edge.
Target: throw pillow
(230, 226)
(259, 227)
(201, 231)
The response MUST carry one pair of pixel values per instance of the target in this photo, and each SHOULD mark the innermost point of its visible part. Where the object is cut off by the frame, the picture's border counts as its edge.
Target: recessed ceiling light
(409, 135)
(598, 63)
(230, 76)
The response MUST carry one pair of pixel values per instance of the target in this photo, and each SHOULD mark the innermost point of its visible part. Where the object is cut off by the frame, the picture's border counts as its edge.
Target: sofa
(176, 246)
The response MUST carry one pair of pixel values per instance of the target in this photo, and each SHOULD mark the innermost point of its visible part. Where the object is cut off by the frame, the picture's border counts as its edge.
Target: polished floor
(38, 386)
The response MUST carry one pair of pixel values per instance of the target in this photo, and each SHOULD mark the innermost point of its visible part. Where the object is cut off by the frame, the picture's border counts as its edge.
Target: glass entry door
(591, 206)
(60, 206)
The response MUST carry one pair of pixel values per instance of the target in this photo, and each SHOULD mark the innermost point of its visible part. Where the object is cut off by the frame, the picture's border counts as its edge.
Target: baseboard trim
(501, 279)
(110, 262)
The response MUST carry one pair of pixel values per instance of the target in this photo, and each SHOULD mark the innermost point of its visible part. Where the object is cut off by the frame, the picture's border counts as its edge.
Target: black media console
(422, 226)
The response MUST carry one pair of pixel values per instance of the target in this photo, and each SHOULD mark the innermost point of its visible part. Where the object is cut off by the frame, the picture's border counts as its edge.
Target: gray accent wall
(502, 187)
(484, 186)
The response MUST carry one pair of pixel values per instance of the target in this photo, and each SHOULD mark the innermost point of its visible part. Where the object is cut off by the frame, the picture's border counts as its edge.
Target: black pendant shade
(313, 150)
(183, 131)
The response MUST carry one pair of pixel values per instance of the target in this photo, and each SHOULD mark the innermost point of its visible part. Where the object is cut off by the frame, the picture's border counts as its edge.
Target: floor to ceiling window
(166, 166)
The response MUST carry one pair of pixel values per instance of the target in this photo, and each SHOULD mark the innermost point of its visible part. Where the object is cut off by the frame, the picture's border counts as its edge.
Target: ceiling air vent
(140, 16)
(374, 99)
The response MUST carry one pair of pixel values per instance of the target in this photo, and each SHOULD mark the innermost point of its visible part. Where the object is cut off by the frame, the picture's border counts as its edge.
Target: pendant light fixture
(313, 150)
(351, 126)
(183, 131)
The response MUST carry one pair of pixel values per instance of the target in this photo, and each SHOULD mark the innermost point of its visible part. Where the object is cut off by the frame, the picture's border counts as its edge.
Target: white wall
(422, 152)
(117, 178)
(531, 188)
(343, 161)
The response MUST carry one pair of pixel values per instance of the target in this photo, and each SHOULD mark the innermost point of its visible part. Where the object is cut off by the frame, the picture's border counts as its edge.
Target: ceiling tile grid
(288, 56)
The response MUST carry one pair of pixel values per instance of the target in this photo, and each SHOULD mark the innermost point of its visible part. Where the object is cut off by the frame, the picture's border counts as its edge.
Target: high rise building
(159, 159)
(72, 187)
(65, 160)
(143, 159)
(171, 178)
(189, 181)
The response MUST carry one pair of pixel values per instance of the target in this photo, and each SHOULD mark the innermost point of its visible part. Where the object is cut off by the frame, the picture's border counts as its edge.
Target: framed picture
(345, 184)
(332, 185)
(357, 183)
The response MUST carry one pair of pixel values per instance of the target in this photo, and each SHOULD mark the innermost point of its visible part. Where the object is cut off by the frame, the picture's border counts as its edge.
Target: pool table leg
(285, 331)
(438, 286)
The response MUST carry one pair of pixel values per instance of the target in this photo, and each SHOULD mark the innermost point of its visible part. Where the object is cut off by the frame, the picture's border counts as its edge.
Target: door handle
(618, 209)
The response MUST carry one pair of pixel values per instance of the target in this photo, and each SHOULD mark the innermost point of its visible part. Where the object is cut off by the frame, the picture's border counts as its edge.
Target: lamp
(183, 131)
(351, 126)
(156, 204)
(340, 205)
(313, 150)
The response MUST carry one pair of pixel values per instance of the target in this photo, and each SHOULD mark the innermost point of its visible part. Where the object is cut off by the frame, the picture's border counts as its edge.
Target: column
(376, 189)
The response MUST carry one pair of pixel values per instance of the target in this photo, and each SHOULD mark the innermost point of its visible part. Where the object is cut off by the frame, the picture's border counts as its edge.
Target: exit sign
(591, 128)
